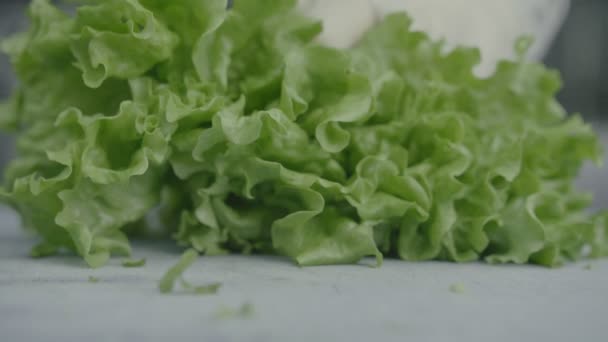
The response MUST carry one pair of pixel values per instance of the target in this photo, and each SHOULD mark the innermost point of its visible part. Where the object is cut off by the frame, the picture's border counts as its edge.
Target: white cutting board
(52, 300)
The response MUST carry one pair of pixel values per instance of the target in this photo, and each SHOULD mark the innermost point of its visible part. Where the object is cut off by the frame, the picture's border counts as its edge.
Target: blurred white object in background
(344, 21)
(491, 25)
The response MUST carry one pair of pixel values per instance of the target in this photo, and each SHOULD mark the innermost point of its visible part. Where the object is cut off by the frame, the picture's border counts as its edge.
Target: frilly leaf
(119, 38)
(251, 137)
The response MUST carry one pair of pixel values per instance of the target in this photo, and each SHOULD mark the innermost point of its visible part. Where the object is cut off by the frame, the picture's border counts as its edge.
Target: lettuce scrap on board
(246, 135)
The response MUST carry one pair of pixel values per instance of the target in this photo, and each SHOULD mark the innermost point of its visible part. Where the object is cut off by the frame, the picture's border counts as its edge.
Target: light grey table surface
(52, 300)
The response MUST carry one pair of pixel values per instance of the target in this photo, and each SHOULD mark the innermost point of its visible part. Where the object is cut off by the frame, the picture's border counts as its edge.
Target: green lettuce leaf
(120, 39)
(247, 135)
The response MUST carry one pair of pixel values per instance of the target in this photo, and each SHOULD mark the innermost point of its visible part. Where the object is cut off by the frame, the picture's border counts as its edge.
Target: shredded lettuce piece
(206, 289)
(457, 288)
(134, 262)
(167, 282)
(245, 311)
(251, 137)
(43, 250)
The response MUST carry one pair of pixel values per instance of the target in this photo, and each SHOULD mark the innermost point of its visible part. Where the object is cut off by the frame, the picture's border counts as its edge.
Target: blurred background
(579, 49)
